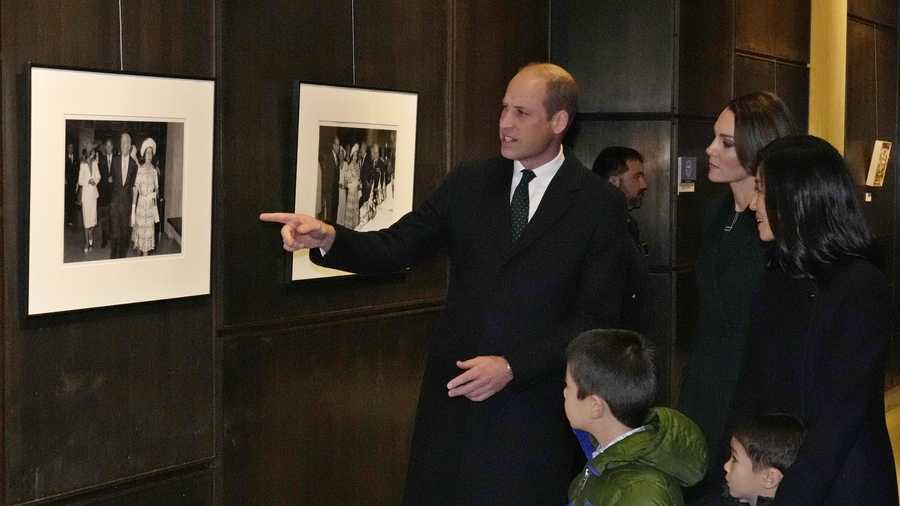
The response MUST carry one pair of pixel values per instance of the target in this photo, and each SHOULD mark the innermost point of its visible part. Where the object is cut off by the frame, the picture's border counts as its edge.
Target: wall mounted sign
(120, 189)
(355, 160)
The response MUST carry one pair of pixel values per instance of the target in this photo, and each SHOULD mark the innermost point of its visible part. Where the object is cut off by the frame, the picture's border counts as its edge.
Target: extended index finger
(283, 218)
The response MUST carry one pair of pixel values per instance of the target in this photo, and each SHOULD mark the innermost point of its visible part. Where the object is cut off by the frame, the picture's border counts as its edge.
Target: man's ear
(559, 121)
(615, 181)
(772, 478)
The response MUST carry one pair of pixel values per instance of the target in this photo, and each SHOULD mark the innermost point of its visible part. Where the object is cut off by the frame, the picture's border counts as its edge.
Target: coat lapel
(554, 204)
(496, 205)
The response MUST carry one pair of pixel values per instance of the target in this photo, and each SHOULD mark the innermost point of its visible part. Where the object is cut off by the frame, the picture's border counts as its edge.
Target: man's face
(527, 133)
(632, 182)
(375, 152)
(125, 144)
(336, 145)
(70, 149)
(108, 147)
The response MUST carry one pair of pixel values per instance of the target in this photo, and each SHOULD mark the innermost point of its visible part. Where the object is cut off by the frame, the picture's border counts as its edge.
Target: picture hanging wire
(352, 38)
(121, 50)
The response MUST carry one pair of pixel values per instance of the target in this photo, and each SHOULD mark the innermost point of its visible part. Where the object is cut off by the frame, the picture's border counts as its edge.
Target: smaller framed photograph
(356, 150)
(120, 188)
(881, 156)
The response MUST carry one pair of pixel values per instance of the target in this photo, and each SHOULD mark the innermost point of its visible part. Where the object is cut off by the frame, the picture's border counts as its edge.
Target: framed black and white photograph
(355, 160)
(120, 188)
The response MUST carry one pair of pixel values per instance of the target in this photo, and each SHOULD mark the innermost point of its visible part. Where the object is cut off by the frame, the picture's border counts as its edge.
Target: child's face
(577, 410)
(743, 481)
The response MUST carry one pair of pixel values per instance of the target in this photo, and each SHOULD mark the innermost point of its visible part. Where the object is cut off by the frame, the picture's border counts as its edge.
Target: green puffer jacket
(645, 469)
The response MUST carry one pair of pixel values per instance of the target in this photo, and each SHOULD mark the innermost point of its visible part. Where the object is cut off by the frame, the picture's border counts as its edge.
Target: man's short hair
(616, 365)
(612, 161)
(771, 440)
(562, 89)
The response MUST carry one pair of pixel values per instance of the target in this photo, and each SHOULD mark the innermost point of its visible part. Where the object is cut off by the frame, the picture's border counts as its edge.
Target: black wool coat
(728, 270)
(817, 350)
(522, 300)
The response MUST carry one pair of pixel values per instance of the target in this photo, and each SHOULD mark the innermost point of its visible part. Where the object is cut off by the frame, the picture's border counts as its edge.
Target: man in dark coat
(71, 183)
(534, 259)
(366, 177)
(124, 172)
(105, 189)
(624, 168)
(329, 167)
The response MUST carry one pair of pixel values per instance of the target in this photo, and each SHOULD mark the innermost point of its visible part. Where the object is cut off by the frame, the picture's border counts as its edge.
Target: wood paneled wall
(270, 392)
(871, 114)
(120, 396)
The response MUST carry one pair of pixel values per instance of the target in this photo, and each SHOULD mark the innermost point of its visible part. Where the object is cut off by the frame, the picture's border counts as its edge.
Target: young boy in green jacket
(637, 455)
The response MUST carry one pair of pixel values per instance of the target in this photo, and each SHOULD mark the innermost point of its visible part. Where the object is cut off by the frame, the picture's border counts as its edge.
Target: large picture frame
(105, 228)
(355, 160)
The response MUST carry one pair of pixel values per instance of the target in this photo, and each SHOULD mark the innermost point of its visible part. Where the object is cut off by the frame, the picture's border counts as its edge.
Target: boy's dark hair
(771, 440)
(612, 161)
(616, 365)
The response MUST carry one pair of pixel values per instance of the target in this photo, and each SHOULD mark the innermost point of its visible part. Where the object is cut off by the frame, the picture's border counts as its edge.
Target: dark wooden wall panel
(693, 138)
(264, 51)
(883, 12)
(323, 415)
(424, 28)
(653, 139)
(705, 68)
(859, 124)
(628, 64)
(778, 28)
(162, 36)
(490, 41)
(752, 74)
(193, 489)
(104, 395)
(792, 85)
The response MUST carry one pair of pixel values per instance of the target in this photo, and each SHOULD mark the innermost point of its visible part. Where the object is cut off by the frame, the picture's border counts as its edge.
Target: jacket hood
(672, 444)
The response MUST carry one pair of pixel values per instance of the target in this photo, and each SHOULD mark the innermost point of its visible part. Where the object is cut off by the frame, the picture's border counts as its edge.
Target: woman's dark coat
(728, 270)
(818, 351)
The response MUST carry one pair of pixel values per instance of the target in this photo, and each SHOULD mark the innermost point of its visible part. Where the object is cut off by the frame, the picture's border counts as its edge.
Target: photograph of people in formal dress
(356, 177)
(123, 189)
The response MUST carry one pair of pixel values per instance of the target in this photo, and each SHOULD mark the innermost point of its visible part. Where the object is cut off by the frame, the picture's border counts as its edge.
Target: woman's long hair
(811, 206)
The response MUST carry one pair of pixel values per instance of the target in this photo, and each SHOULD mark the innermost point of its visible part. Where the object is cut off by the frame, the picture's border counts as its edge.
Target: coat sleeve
(599, 300)
(396, 248)
(852, 375)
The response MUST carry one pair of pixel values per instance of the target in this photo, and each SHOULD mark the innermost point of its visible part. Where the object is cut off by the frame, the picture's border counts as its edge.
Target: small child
(762, 450)
(637, 455)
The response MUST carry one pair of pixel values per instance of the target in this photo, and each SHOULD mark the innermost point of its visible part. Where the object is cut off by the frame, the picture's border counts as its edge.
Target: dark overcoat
(818, 351)
(522, 300)
(728, 270)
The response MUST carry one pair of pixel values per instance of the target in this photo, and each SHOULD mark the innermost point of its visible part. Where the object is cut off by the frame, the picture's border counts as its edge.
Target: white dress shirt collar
(543, 175)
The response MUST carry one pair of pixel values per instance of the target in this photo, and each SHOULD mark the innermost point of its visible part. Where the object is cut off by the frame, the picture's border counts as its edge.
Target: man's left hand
(484, 376)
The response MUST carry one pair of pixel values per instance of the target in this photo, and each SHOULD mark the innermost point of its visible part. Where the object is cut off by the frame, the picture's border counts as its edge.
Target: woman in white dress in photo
(144, 213)
(88, 177)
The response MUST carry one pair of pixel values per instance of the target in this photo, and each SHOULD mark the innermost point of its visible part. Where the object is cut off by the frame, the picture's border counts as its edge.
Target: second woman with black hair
(819, 328)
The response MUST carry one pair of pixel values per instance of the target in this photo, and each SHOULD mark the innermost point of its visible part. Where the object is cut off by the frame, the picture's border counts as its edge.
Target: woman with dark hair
(821, 324)
(730, 262)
